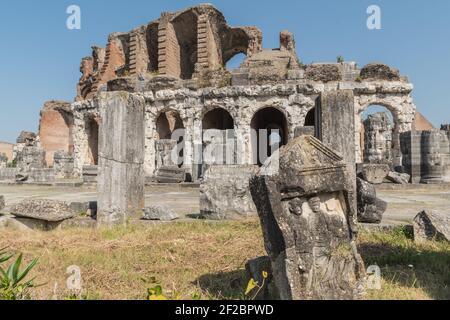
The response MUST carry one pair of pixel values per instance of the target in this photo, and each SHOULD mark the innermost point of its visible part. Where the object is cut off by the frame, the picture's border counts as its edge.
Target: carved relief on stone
(308, 224)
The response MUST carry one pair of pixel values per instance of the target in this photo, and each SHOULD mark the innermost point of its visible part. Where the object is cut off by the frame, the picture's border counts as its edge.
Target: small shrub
(340, 59)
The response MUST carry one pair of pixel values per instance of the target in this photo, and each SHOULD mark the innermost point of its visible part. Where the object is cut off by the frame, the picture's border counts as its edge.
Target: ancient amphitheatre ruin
(161, 90)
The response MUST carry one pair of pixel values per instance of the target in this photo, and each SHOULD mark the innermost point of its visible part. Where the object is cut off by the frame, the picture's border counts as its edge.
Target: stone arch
(168, 122)
(376, 135)
(235, 61)
(246, 40)
(402, 109)
(186, 29)
(310, 118)
(270, 119)
(217, 118)
(218, 137)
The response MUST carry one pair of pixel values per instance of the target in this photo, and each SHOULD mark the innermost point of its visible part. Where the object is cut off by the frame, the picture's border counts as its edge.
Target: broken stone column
(411, 154)
(432, 165)
(121, 158)
(426, 155)
(378, 139)
(370, 208)
(337, 131)
(305, 210)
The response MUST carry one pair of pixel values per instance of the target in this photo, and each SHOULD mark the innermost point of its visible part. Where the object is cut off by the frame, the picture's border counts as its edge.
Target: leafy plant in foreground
(13, 285)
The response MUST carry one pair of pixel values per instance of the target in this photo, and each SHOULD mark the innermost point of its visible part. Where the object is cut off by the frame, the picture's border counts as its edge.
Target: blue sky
(40, 56)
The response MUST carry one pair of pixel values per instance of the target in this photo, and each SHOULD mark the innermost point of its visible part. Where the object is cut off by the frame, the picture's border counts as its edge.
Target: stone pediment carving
(309, 167)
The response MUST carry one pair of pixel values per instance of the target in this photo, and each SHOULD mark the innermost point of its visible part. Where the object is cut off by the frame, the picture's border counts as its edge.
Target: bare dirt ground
(404, 202)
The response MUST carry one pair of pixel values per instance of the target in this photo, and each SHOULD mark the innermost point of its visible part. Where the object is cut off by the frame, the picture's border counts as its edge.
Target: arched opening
(235, 61)
(185, 26)
(168, 125)
(310, 119)
(377, 135)
(219, 145)
(92, 134)
(269, 132)
(219, 119)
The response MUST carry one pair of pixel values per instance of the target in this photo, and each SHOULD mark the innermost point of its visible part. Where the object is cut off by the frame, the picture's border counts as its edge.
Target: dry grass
(206, 258)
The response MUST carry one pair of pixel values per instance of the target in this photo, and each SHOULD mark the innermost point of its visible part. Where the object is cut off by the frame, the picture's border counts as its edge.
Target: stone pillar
(411, 154)
(432, 165)
(337, 131)
(121, 158)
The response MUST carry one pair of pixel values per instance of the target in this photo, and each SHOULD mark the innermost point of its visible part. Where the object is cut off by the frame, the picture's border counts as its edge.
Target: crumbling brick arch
(268, 118)
(246, 40)
(185, 26)
(402, 109)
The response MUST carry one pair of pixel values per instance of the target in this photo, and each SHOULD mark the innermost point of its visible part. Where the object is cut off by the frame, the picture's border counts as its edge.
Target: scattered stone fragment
(43, 209)
(21, 177)
(160, 213)
(432, 225)
(225, 192)
(370, 208)
(308, 226)
(398, 178)
(85, 208)
(375, 173)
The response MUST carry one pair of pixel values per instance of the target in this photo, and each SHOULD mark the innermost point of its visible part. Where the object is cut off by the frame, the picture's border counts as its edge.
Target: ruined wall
(55, 128)
(7, 149)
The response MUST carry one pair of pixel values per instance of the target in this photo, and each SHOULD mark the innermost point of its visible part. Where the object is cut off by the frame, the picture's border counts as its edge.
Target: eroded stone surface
(160, 213)
(225, 192)
(378, 139)
(398, 178)
(432, 225)
(308, 224)
(121, 155)
(43, 209)
(370, 208)
(374, 173)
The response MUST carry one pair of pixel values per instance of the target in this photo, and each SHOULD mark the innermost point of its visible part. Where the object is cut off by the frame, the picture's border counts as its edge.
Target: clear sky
(40, 57)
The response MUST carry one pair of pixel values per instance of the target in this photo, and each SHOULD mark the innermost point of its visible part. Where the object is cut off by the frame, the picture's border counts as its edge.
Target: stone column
(411, 154)
(121, 158)
(337, 131)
